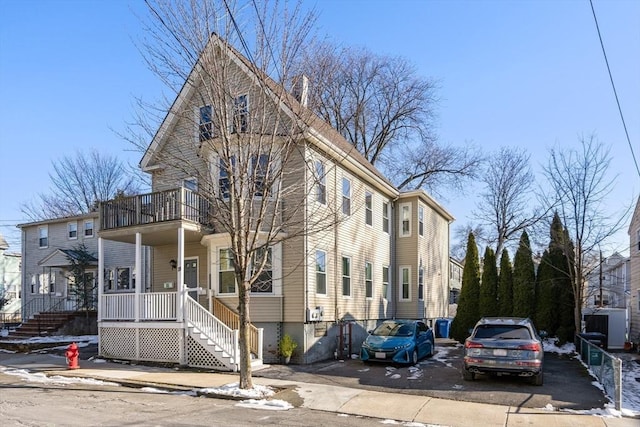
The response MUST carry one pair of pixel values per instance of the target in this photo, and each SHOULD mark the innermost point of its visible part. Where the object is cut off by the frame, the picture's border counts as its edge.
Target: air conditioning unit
(315, 314)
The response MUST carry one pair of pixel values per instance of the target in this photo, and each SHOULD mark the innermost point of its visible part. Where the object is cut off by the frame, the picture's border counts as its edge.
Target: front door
(191, 276)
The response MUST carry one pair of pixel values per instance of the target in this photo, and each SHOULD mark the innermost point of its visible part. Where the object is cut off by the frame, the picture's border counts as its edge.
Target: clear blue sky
(518, 73)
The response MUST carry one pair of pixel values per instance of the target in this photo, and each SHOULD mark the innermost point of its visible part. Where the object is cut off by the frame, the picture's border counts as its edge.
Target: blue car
(398, 341)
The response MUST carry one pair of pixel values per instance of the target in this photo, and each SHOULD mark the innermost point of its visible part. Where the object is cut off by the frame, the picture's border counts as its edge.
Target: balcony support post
(138, 276)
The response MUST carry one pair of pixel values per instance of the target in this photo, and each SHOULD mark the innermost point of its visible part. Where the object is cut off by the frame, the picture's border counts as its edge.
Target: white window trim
(368, 209)
(420, 220)
(69, 230)
(217, 275)
(84, 229)
(46, 233)
(400, 219)
(197, 121)
(385, 295)
(400, 283)
(342, 276)
(320, 180)
(315, 270)
(370, 264)
(385, 216)
(350, 196)
(421, 272)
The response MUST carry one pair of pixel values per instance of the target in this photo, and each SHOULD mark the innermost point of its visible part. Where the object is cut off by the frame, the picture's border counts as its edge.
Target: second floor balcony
(152, 208)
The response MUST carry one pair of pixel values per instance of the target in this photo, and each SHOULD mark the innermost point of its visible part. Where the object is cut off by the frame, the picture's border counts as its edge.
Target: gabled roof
(89, 215)
(60, 258)
(317, 131)
(635, 219)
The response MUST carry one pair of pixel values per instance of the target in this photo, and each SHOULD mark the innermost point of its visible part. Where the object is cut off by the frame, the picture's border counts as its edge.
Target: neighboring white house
(9, 284)
(455, 284)
(387, 257)
(46, 250)
(609, 285)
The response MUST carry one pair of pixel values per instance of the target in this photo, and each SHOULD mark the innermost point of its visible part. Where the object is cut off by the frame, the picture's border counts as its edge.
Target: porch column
(181, 295)
(138, 275)
(100, 276)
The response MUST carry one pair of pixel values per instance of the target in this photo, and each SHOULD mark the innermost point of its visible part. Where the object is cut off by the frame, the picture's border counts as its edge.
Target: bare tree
(504, 209)
(380, 105)
(579, 186)
(247, 161)
(79, 183)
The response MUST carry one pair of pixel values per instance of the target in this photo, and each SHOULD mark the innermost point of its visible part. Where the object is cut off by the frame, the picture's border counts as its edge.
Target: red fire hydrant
(72, 354)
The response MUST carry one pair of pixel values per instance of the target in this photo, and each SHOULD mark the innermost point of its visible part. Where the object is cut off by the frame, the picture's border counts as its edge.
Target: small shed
(610, 321)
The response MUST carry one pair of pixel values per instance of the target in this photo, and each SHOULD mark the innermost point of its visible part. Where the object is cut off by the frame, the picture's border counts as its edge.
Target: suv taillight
(471, 344)
(532, 347)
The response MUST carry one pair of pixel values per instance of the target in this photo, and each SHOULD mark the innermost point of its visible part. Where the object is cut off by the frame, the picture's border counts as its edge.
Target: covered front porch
(165, 316)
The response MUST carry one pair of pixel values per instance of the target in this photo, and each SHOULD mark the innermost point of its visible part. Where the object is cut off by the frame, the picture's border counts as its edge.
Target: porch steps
(222, 356)
(41, 325)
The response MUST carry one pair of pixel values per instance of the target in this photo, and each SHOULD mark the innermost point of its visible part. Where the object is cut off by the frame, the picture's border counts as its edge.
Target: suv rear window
(503, 332)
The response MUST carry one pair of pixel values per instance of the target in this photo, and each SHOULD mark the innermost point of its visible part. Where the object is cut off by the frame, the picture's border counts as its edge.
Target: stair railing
(213, 329)
(232, 320)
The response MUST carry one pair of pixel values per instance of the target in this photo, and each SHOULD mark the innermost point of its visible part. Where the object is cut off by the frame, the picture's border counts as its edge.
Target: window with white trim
(205, 123)
(124, 279)
(88, 228)
(225, 172)
(52, 282)
(405, 283)
(385, 282)
(385, 217)
(259, 169)
(321, 272)
(226, 274)
(72, 230)
(368, 208)
(421, 284)
(264, 282)
(346, 196)
(241, 114)
(43, 236)
(321, 183)
(421, 220)
(368, 280)
(346, 276)
(109, 275)
(405, 219)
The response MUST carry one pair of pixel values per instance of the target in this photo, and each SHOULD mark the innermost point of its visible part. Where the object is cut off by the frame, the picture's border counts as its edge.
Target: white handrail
(212, 328)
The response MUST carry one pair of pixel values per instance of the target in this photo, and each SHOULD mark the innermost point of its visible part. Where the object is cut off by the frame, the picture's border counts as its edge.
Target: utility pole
(600, 299)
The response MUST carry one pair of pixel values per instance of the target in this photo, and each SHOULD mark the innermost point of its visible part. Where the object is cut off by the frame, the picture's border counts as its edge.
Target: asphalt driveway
(567, 384)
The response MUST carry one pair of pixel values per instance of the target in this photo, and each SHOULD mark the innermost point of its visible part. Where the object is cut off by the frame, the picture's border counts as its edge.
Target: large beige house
(634, 261)
(386, 255)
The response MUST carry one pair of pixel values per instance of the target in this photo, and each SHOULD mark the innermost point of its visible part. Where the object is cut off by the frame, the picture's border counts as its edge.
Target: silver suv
(504, 346)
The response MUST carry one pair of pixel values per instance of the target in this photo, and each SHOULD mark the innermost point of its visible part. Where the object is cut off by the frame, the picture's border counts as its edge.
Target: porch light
(173, 264)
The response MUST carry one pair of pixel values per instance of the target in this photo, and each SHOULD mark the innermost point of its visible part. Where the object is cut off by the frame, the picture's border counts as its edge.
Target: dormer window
(241, 114)
(206, 124)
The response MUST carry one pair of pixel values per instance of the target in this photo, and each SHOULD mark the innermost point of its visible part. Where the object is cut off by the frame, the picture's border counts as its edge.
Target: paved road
(567, 385)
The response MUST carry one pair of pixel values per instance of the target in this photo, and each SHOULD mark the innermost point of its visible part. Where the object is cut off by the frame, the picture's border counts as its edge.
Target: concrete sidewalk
(394, 406)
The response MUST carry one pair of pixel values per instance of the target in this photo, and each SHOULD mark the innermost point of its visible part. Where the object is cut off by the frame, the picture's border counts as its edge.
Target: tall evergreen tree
(468, 305)
(561, 252)
(489, 285)
(547, 303)
(524, 280)
(505, 286)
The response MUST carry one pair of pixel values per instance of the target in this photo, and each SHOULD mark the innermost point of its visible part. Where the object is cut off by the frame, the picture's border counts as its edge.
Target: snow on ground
(37, 377)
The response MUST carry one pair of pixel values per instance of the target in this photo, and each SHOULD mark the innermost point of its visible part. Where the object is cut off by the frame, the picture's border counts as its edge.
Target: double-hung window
(368, 208)
(264, 282)
(72, 230)
(241, 114)
(346, 196)
(226, 274)
(206, 123)
(405, 283)
(321, 183)
(225, 174)
(385, 282)
(124, 279)
(321, 272)
(421, 220)
(405, 218)
(368, 280)
(88, 228)
(346, 276)
(385, 217)
(421, 283)
(43, 236)
(259, 168)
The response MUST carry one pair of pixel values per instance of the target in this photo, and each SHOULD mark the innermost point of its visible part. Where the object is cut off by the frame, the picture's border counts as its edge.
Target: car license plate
(499, 352)
(380, 355)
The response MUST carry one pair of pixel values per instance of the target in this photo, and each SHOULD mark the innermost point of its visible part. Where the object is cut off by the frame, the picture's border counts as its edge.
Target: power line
(615, 92)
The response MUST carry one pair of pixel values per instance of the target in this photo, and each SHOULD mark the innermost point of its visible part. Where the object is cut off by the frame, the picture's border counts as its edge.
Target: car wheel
(414, 357)
(467, 375)
(432, 350)
(537, 379)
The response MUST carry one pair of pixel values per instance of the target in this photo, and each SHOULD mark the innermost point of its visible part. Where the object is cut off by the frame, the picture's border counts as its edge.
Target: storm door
(191, 276)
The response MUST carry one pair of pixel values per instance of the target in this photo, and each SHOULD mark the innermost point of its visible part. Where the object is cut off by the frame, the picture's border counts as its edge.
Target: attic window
(241, 114)
(206, 125)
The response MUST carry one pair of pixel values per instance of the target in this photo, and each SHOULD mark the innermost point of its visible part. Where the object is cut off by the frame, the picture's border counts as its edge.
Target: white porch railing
(153, 306)
(208, 325)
